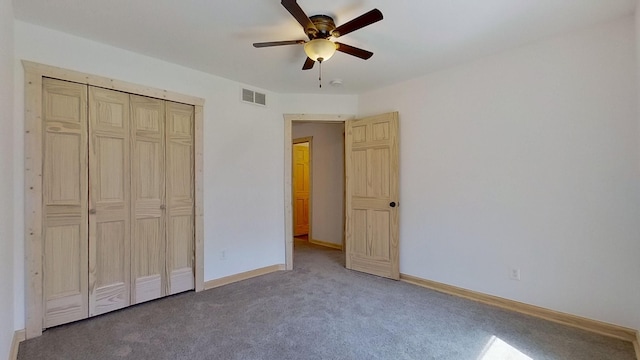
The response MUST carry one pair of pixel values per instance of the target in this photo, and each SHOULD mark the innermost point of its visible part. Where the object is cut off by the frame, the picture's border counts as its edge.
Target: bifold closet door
(64, 175)
(180, 196)
(148, 242)
(109, 201)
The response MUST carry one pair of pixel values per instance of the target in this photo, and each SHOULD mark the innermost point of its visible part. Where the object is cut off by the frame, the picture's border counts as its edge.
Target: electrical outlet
(514, 274)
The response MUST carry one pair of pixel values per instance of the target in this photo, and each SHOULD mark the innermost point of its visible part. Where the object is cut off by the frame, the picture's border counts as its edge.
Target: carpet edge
(595, 326)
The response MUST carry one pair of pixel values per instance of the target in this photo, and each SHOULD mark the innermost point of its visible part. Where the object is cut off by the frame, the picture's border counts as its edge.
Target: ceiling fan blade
(308, 64)
(296, 11)
(358, 23)
(351, 50)
(277, 43)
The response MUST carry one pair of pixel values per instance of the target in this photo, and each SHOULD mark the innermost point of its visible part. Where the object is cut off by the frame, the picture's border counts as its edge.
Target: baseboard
(18, 337)
(326, 244)
(595, 326)
(242, 276)
(636, 344)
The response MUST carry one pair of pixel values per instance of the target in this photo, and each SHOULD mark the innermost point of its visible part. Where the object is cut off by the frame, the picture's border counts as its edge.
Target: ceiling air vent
(254, 97)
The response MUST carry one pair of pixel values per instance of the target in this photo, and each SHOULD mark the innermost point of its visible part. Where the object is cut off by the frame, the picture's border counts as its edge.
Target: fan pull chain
(320, 76)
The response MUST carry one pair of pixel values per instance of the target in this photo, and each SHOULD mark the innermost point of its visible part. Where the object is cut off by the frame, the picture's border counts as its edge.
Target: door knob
(92, 211)
(163, 206)
(392, 204)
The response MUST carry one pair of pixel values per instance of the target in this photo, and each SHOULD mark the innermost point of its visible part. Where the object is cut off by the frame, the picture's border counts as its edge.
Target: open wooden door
(371, 161)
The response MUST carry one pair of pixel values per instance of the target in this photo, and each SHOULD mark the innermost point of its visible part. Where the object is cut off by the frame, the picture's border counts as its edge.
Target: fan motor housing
(324, 24)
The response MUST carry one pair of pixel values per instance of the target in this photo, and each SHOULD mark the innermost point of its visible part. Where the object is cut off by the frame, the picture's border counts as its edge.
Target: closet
(117, 200)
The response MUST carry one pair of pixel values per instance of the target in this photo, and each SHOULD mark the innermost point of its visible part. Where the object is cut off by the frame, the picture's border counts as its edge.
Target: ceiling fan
(319, 28)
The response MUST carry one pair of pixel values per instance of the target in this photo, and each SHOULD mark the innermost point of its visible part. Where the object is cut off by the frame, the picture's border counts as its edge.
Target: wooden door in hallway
(301, 186)
(371, 161)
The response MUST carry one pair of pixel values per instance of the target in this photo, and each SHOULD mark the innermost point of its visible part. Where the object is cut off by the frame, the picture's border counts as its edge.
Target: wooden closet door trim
(107, 83)
(34, 72)
(33, 203)
(199, 204)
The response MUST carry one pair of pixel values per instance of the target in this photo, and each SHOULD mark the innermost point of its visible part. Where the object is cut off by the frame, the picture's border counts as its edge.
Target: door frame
(302, 140)
(288, 164)
(33, 211)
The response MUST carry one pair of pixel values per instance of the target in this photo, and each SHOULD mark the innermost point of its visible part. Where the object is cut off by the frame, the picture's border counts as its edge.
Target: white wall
(637, 46)
(243, 147)
(328, 179)
(527, 159)
(6, 178)
(319, 104)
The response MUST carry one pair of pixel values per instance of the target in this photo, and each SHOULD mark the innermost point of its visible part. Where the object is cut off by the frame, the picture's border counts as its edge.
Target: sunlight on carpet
(497, 349)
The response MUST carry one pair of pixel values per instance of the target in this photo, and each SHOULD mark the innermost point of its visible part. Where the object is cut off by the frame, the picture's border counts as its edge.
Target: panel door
(180, 197)
(109, 201)
(301, 189)
(371, 159)
(65, 244)
(148, 243)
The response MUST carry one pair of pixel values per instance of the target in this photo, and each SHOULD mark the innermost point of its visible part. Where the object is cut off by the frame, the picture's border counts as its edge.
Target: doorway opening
(370, 158)
(318, 183)
(326, 222)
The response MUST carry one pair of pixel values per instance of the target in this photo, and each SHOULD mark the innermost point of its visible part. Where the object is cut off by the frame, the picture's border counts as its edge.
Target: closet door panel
(65, 245)
(180, 197)
(109, 201)
(148, 198)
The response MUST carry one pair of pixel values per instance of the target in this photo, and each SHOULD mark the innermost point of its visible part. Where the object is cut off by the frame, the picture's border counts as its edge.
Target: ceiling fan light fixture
(320, 49)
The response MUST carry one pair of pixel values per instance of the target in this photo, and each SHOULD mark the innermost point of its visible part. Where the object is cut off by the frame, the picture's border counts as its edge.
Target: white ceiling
(415, 37)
